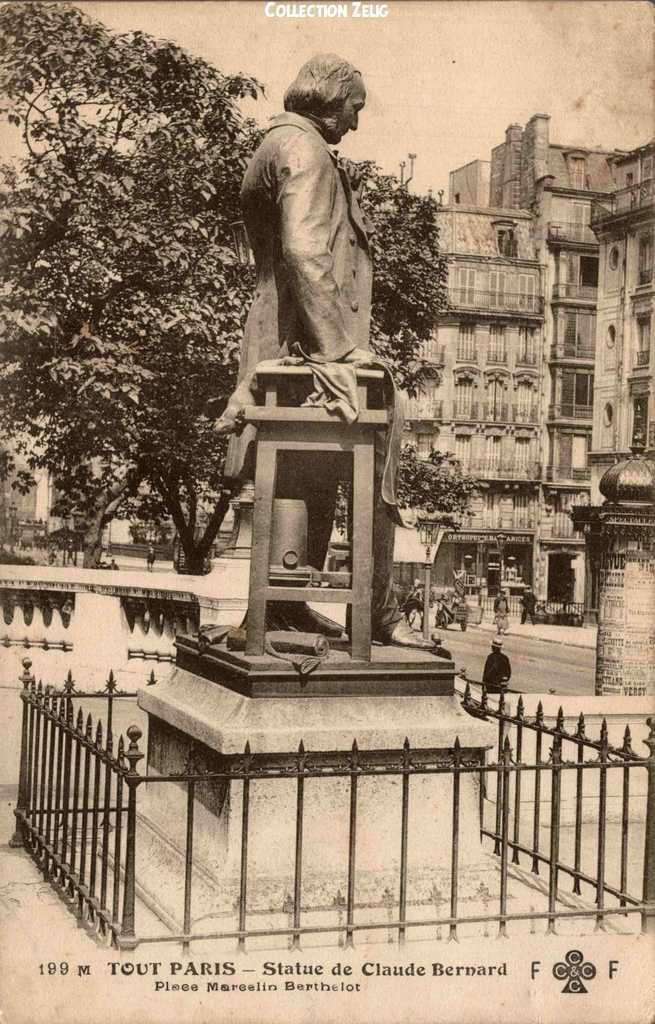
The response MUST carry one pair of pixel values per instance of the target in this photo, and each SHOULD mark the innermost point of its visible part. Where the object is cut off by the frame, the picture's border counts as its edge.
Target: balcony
(493, 470)
(526, 358)
(512, 302)
(642, 358)
(562, 526)
(467, 353)
(645, 275)
(424, 409)
(567, 472)
(434, 353)
(570, 411)
(571, 231)
(465, 412)
(496, 413)
(569, 290)
(522, 415)
(574, 350)
(520, 521)
(497, 355)
(624, 200)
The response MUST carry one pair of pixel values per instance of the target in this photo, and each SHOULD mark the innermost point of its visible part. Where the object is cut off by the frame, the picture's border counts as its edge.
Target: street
(538, 666)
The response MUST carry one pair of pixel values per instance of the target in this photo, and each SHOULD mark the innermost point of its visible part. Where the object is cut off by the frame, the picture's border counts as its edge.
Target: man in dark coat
(313, 300)
(528, 605)
(497, 669)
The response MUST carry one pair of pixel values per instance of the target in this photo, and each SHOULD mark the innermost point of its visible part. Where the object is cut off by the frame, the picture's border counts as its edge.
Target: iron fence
(77, 815)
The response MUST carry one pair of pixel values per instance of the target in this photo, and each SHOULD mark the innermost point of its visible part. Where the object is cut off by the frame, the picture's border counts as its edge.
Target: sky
(444, 77)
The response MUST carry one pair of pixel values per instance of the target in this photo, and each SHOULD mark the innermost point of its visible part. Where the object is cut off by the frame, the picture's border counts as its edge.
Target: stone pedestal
(193, 719)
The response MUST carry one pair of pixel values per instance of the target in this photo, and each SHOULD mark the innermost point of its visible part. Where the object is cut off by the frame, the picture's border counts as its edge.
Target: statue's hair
(321, 85)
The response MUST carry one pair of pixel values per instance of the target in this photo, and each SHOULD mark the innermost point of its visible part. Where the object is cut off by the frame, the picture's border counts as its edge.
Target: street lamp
(428, 531)
(501, 541)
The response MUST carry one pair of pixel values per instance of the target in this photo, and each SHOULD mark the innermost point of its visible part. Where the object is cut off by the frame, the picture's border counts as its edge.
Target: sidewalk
(572, 636)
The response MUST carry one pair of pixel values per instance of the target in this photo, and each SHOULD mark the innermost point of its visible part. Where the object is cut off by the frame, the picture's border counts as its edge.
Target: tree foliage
(435, 485)
(122, 301)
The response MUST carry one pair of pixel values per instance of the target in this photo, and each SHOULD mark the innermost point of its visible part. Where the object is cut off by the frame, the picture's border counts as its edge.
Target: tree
(435, 485)
(122, 298)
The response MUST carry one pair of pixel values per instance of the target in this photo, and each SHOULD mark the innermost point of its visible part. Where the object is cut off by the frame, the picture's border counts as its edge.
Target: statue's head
(330, 90)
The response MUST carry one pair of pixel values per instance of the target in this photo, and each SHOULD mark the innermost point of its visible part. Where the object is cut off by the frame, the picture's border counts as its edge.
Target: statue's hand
(231, 422)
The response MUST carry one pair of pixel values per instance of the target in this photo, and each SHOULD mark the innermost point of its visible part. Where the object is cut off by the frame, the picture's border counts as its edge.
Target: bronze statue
(313, 302)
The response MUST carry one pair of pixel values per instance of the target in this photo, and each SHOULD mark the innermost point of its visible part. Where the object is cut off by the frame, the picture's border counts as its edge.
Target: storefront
(489, 560)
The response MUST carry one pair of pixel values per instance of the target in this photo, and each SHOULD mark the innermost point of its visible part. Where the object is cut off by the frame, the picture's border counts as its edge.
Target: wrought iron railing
(570, 410)
(78, 799)
(424, 409)
(632, 197)
(465, 412)
(523, 414)
(642, 357)
(571, 231)
(574, 350)
(511, 302)
(572, 290)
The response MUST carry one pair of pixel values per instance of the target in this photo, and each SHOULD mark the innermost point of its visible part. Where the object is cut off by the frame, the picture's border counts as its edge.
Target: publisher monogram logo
(575, 970)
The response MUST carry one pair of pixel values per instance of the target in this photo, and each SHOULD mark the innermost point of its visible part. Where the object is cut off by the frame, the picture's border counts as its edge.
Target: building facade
(517, 350)
(624, 401)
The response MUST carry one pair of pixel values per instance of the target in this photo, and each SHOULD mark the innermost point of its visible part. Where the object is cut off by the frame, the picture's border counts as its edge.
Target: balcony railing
(562, 525)
(467, 353)
(497, 355)
(570, 290)
(434, 353)
(513, 302)
(522, 415)
(570, 411)
(571, 231)
(526, 358)
(465, 412)
(506, 470)
(642, 358)
(424, 409)
(632, 197)
(574, 350)
(645, 275)
(496, 413)
(564, 471)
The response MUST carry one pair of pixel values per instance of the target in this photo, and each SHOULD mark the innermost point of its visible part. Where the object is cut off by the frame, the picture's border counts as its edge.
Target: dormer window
(578, 172)
(506, 240)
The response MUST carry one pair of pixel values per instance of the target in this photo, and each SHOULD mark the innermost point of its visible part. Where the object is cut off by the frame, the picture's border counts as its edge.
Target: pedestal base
(192, 718)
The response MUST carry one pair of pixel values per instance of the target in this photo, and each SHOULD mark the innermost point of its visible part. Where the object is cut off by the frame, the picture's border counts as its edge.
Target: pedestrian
(439, 650)
(150, 558)
(528, 605)
(501, 612)
(114, 564)
(497, 669)
(414, 604)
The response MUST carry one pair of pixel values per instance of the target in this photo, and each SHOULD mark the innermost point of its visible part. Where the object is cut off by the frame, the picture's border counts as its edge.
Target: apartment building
(624, 399)
(523, 286)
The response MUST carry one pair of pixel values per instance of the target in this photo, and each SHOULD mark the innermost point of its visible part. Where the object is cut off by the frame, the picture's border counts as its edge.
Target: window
(457, 198)
(522, 453)
(463, 450)
(577, 172)
(423, 445)
(589, 271)
(497, 289)
(522, 518)
(639, 419)
(524, 404)
(642, 356)
(496, 408)
(464, 398)
(647, 168)
(466, 281)
(527, 353)
(579, 451)
(506, 241)
(527, 292)
(492, 454)
(497, 352)
(629, 178)
(577, 394)
(466, 348)
(579, 335)
(645, 259)
(614, 257)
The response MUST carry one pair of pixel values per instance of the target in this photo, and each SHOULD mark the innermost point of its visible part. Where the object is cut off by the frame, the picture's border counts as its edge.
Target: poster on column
(275, 278)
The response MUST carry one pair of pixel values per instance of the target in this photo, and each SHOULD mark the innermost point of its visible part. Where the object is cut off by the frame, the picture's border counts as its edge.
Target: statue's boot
(401, 634)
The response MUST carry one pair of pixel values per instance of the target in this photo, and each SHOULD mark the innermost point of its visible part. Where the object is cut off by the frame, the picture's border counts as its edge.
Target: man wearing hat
(497, 669)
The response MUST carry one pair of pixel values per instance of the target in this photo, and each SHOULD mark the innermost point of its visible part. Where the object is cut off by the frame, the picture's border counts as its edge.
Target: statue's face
(347, 118)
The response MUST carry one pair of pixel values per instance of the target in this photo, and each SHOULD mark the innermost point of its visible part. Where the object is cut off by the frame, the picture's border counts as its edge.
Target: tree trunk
(92, 546)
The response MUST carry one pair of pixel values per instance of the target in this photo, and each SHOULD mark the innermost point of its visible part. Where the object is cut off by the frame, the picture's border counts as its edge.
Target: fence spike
(152, 679)
(354, 755)
(109, 743)
(39, 688)
(79, 725)
(540, 714)
(69, 712)
(457, 751)
(580, 730)
(89, 727)
(484, 705)
(520, 707)
(603, 733)
(559, 722)
(627, 741)
(507, 750)
(467, 693)
(501, 702)
(69, 685)
(62, 709)
(99, 734)
(121, 747)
